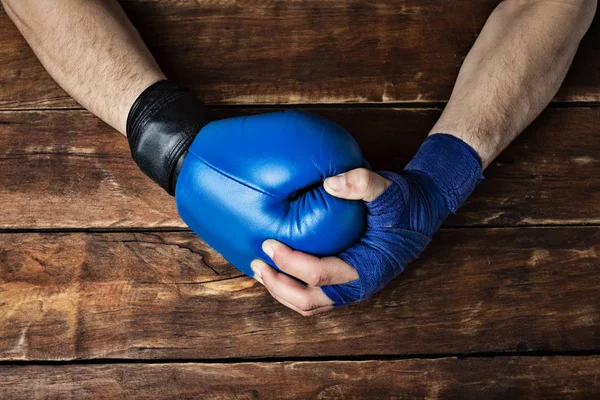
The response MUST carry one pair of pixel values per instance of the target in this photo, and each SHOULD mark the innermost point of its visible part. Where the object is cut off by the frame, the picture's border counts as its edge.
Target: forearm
(513, 71)
(92, 51)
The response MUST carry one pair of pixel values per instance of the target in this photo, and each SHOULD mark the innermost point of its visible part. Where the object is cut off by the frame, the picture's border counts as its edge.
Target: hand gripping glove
(402, 220)
(248, 179)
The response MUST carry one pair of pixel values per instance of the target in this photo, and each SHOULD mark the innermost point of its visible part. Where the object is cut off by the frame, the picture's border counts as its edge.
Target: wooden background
(105, 293)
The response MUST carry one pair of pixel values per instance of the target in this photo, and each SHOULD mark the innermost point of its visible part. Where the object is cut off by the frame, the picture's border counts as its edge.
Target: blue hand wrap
(403, 219)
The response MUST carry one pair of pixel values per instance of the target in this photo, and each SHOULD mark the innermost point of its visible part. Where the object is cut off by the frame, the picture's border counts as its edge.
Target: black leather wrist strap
(161, 125)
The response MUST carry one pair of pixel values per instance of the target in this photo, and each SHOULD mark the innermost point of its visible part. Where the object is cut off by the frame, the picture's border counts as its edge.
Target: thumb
(357, 184)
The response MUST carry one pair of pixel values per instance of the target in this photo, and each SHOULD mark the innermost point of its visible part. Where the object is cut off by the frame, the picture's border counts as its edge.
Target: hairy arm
(91, 50)
(513, 71)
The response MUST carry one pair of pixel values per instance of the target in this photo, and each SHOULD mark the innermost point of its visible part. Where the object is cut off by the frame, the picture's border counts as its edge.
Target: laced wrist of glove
(403, 219)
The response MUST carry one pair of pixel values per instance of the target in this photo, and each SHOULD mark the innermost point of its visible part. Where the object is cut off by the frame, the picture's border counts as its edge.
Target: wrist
(131, 92)
(452, 165)
(161, 125)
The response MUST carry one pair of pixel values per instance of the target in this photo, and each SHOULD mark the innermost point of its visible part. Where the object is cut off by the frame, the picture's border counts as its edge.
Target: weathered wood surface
(167, 296)
(67, 169)
(447, 378)
(274, 52)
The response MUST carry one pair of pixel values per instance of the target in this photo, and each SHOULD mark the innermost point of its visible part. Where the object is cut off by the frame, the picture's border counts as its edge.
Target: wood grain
(66, 169)
(67, 296)
(491, 282)
(447, 378)
(295, 52)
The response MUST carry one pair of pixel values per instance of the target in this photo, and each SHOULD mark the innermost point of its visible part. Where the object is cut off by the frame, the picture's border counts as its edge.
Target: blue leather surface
(248, 179)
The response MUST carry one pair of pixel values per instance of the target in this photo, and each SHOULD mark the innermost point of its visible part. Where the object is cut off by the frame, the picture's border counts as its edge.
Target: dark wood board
(67, 169)
(67, 296)
(105, 294)
(298, 52)
(446, 378)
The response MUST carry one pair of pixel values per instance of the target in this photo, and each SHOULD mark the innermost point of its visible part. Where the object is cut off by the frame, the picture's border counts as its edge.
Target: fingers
(302, 312)
(357, 184)
(313, 270)
(306, 300)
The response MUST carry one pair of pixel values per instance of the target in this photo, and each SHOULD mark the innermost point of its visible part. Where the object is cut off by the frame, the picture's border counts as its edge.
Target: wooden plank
(447, 378)
(298, 52)
(167, 296)
(66, 169)
(70, 169)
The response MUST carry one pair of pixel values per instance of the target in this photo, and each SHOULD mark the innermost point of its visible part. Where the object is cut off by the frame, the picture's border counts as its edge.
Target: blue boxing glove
(403, 219)
(242, 180)
(248, 179)
(404, 211)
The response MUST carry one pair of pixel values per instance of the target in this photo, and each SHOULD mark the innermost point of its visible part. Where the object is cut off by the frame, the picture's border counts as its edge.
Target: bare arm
(91, 49)
(513, 71)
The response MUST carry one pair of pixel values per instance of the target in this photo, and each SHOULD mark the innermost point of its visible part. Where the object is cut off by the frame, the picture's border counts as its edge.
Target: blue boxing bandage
(403, 219)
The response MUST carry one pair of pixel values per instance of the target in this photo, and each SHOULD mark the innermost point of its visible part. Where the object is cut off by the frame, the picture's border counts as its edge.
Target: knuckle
(362, 180)
(278, 258)
(306, 304)
(315, 278)
(283, 261)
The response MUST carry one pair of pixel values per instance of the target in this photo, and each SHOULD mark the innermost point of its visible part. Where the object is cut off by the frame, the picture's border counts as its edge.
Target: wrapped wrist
(452, 165)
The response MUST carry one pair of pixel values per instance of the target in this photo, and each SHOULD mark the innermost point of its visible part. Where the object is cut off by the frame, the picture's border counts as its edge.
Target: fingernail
(336, 183)
(256, 269)
(268, 248)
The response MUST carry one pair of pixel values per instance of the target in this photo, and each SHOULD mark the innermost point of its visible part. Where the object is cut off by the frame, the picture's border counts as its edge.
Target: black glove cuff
(161, 125)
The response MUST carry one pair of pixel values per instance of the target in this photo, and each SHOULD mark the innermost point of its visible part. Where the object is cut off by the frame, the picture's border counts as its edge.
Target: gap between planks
(179, 229)
(266, 360)
(404, 105)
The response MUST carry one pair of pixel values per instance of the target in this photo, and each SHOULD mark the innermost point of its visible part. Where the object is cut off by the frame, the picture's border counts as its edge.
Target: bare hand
(308, 298)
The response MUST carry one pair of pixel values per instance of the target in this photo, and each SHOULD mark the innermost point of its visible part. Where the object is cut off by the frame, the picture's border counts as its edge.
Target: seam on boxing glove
(176, 153)
(225, 174)
(174, 157)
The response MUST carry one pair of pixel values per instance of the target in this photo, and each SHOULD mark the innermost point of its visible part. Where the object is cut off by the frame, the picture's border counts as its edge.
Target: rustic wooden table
(105, 293)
